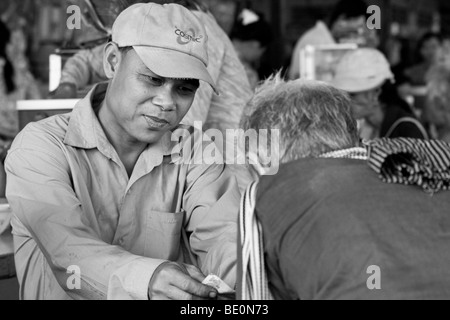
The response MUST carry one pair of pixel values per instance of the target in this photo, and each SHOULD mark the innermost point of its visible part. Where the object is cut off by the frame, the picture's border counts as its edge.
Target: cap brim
(174, 64)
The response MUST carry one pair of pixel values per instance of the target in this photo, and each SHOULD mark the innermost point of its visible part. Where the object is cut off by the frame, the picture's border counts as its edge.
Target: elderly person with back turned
(100, 189)
(331, 228)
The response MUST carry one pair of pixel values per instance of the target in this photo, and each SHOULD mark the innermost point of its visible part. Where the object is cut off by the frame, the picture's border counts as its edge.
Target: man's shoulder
(49, 131)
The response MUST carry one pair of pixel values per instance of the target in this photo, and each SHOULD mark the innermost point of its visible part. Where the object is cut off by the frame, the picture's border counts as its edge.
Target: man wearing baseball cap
(102, 209)
(362, 73)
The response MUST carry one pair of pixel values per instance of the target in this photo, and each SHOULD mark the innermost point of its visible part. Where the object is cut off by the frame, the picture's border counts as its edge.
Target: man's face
(430, 50)
(143, 105)
(225, 12)
(364, 104)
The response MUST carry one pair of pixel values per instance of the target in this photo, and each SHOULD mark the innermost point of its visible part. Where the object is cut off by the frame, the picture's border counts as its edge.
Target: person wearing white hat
(102, 207)
(362, 73)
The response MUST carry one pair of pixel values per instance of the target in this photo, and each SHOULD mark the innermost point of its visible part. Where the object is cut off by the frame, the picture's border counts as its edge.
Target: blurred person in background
(225, 12)
(8, 118)
(85, 68)
(362, 73)
(251, 37)
(16, 81)
(347, 24)
(413, 81)
(445, 58)
(437, 106)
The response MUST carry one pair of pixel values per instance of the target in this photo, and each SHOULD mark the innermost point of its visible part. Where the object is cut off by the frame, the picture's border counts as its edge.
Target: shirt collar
(84, 127)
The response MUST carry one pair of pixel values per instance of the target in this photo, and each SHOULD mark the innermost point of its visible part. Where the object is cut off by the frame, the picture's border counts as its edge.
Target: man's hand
(172, 281)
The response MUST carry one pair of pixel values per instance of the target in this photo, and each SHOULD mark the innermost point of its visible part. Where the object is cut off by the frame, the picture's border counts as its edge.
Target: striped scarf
(254, 283)
(424, 163)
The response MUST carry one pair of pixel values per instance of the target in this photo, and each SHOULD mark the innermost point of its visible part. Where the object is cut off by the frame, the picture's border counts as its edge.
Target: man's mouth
(155, 122)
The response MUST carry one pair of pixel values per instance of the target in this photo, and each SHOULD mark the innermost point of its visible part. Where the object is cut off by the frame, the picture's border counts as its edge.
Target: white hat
(362, 70)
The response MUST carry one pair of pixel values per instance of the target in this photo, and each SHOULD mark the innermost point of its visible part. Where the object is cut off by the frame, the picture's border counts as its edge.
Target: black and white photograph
(227, 155)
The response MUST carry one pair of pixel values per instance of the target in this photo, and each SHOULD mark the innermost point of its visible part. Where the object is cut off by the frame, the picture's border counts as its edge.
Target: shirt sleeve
(42, 198)
(84, 68)
(211, 201)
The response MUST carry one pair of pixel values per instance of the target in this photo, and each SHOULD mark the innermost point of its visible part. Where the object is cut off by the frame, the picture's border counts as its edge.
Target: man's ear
(111, 59)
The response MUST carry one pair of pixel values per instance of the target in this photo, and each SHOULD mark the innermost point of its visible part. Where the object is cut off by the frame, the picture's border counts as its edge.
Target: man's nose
(164, 98)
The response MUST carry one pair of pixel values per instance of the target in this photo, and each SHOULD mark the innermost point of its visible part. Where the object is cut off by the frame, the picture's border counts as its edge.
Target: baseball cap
(169, 39)
(362, 70)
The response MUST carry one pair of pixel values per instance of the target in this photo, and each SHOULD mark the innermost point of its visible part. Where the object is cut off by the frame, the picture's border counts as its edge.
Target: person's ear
(111, 59)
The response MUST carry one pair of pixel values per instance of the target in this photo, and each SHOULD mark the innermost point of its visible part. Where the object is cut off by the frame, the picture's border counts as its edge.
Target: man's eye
(157, 81)
(185, 90)
(153, 80)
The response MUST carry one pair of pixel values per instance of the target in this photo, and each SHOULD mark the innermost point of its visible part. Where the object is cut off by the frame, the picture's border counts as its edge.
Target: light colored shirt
(85, 68)
(74, 205)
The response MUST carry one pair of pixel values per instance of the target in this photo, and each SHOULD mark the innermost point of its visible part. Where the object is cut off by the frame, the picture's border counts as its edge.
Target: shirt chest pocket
(163, 235)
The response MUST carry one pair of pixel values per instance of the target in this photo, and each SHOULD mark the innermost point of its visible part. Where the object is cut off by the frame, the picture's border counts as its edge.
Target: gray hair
(313, 117)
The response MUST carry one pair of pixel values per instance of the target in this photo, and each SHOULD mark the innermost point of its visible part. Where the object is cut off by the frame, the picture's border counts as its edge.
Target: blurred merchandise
(35, 110)
(319, 62)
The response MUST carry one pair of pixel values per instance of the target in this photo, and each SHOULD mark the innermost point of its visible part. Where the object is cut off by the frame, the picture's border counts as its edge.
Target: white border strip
(33, 105)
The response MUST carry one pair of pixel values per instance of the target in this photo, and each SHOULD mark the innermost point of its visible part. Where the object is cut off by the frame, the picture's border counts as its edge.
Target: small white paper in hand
(219, 284)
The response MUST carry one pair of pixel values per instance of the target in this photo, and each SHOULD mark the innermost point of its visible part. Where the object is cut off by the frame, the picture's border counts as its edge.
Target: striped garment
(424, 163)
(254, 281)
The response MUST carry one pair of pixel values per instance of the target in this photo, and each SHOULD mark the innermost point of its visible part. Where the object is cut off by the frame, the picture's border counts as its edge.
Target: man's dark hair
(424, 39)
(8, 70)
(348, 9)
